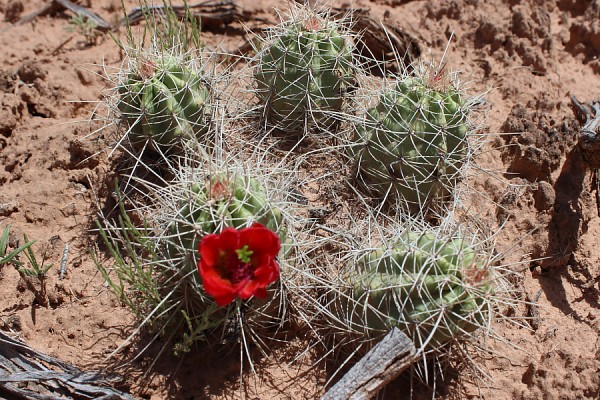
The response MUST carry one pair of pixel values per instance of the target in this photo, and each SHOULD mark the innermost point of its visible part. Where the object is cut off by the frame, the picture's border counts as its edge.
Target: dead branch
(28, 374)
(381, 365)
(589, 135)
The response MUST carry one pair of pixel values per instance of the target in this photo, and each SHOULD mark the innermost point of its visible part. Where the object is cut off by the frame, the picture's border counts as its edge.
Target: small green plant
(435, 289)
(12, 256)
(86, 27)
(164, 101)
(439, 285)
(128, 245)
(163, 96)
(29, 270)
(155, 253)
(35, 270)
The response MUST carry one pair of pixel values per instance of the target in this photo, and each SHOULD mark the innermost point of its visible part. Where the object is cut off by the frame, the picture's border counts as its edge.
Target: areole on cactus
(412, 145)
(302, 74)
(434, 290)
(164, 101)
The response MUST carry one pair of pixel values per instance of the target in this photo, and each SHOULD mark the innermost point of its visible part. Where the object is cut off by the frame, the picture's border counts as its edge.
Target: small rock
(13, 11)
(6, 209)
(70, 210)
(12, 110)
(529, 373)
(29, 217)
(30, 71)
(85, 77)
(544, 196)
(520, 25)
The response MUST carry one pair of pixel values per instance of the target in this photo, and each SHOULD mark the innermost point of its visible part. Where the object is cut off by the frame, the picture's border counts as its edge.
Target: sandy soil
(530, 55)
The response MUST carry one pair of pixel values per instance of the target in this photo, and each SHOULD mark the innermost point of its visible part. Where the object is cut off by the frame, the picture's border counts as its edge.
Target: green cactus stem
(435, 291)
(164, 102)
(413, 144)
(220, 202)
(302, 75)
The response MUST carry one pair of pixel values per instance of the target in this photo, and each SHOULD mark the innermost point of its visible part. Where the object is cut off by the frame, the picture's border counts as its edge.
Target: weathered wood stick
(381, 365)
(89, 14)
(28, 374)
(64, 4)
(211, 13)
(589, 136)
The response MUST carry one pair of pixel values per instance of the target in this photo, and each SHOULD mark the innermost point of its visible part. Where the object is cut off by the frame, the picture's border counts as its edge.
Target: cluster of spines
(217, 202)
(161, 260)
(412, 146)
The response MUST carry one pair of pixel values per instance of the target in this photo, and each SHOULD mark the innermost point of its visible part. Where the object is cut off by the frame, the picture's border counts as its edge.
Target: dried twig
(28, 374)
(382, 364)
(66, 4)
(589, 139)
(63, 262)
(92, 16)
(532, 310)
(210, 13)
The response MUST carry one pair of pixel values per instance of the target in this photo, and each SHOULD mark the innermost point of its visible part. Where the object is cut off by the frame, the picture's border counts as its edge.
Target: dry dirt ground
(531, 55)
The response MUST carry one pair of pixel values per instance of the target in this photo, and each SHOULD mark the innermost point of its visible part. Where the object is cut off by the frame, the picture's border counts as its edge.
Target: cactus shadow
(212, 369)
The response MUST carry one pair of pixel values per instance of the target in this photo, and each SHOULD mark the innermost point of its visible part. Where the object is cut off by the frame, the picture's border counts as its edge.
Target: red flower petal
(268, 272)
(230, 239)
(225, 299)
(261, 293)
(214, 284)
(260, 239)
(209, 249)
(225, 276)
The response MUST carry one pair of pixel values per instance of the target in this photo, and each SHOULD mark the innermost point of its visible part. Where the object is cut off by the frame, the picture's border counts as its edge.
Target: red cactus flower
(238, 263)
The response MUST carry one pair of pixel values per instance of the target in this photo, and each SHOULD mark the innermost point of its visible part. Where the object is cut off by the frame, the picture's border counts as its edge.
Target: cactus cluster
(164, 102)
(435, 291)
(412, 144)
(411, 148)
(302, 75)
(210, 206)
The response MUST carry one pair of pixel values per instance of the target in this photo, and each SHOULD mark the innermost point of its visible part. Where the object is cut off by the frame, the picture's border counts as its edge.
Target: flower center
(244, 254)
(241, 268)
(242, 272)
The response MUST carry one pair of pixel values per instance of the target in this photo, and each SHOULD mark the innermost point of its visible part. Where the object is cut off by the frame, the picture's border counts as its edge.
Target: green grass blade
(5, 258)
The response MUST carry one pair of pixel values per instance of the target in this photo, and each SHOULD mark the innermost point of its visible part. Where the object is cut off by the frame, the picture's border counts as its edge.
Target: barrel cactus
(163, 102)
(213, 205)
(302, 74)
(434, 290)
(412, 145)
